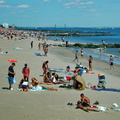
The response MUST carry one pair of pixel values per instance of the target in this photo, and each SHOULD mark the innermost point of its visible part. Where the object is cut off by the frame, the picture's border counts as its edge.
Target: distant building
(5, 25)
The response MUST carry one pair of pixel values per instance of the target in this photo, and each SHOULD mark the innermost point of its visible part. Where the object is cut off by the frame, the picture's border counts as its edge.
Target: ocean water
(92, 39)
(103, 55)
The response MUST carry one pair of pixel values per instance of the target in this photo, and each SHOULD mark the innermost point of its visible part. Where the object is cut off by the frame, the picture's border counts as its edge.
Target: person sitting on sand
(85, 101)
(79, 105)
(47, 79)
(53, 78)
(41, 82)
(35, 84)
(24, 85)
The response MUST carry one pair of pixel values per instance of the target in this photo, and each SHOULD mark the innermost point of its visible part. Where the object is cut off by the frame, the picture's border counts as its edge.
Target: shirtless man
(76, 56)
(85, 101)
(79, 105)
(111, 62)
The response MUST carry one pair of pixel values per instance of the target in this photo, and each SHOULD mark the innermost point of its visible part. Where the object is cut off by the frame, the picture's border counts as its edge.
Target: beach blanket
(55, 69)
(38, 54)
(35, 88)
(108, 89)
(17, 48)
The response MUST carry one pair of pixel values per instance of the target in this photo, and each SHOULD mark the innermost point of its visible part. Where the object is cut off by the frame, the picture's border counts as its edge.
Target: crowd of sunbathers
(25, 85)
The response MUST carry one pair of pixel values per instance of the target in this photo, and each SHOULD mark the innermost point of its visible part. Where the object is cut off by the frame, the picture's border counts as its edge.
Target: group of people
(11, 75)
(77, 55)
(48, 79)
(45, 47)
(34, 85)
(77, 58)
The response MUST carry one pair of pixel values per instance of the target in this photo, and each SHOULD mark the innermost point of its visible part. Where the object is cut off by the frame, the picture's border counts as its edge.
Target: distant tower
(64, 25)
(55, 25)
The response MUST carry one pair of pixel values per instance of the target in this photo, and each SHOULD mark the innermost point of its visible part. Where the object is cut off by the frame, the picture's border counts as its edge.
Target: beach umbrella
(81, 81)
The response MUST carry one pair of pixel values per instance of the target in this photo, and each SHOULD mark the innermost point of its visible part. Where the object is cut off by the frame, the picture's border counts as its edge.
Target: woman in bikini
(90, 63)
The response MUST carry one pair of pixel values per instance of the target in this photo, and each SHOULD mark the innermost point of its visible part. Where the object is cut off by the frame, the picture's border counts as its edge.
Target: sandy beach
(52, 105)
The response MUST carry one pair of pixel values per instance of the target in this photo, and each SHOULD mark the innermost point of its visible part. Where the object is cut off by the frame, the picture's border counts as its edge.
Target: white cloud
(78, 2)
(4, 6)
(23, 6)
(71, 3)
(2, 2)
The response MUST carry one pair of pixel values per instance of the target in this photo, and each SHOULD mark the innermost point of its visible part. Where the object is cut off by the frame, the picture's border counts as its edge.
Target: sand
(52, 105)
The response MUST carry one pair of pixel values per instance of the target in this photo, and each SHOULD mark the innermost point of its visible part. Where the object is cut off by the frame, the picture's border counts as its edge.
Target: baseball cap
(13, 64)
(25, 64)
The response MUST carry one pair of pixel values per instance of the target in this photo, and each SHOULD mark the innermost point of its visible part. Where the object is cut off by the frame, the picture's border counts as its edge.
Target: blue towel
(108, 89)
(38, 54)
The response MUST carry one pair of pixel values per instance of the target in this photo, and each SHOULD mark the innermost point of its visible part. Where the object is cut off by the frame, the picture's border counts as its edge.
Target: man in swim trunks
(76, 56)
(85, 101)
(111, 62)
(87, 109)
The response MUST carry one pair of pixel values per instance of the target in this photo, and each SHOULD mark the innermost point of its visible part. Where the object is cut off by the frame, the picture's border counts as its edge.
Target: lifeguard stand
(101, 81)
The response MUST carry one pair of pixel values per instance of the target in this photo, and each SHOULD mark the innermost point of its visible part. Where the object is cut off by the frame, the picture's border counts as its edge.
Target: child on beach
(76, 56)
(26, 72)
(81, 51)
(24, 85)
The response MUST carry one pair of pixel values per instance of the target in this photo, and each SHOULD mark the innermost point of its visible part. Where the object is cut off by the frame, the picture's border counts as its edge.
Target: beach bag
(14, 81)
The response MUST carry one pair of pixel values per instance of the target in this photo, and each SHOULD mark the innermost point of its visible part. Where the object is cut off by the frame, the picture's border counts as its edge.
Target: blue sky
(72, 13)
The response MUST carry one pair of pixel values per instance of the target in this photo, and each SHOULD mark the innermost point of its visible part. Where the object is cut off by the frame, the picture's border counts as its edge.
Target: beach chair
(101, 81)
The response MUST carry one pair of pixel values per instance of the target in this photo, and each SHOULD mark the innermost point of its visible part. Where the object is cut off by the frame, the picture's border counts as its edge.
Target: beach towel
(55, 69)
(36, 88)
(108, 89)
(38, 54)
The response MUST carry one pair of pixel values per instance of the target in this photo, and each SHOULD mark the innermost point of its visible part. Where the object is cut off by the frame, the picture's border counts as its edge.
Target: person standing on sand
(111, 60)
(45, 67)
(81, 51)
(26, 72)
(39, 46)
(11, 75)
(31, 44)
(90, 63)
(76, 56)
(46, 50)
